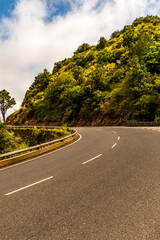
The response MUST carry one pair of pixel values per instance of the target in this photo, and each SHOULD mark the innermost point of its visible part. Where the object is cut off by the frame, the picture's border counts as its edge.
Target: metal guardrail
(132, 123)
(32, 126)
(5, 155)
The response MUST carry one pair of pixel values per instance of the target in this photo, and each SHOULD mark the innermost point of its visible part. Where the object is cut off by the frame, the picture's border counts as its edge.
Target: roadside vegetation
(114, 81)
(9, 142)
(12, 139)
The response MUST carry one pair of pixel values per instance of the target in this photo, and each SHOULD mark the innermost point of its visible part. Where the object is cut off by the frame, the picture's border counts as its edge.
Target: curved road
(106, 186)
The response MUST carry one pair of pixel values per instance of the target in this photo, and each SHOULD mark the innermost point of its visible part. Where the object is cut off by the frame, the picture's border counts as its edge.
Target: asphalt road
(106, 186)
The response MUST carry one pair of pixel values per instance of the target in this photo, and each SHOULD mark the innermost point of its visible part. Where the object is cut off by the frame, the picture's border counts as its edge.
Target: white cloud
(29, 43)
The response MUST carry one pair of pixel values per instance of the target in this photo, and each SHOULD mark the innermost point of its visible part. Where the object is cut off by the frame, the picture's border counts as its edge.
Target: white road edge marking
(31, 185)
(92, 159)
(114, 145)
(30, 160)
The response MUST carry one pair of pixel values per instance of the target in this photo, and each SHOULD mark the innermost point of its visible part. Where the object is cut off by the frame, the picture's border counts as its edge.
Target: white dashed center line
(114, 132)
(114, 145)
(92, 159)
(31, 185)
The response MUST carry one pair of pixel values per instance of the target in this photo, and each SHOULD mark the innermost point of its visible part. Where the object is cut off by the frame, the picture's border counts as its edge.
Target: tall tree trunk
(3, 115)
(3, 112)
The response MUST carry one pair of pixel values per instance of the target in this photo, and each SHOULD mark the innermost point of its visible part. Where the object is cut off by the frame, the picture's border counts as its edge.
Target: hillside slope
(114, 81)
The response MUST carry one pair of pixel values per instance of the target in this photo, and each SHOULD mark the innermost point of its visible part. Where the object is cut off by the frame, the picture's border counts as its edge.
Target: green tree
(82, 48)
(101, 44)
(58, 66)
(128, 37)
(142, 45)
(6, 102)
(152, 58)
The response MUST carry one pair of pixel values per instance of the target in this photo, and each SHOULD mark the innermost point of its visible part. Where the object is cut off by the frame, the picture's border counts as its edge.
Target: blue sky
(60, 8)
(6, 7)
(36, 33)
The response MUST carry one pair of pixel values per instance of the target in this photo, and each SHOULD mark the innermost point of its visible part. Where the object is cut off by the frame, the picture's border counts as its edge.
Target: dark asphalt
(116, 196)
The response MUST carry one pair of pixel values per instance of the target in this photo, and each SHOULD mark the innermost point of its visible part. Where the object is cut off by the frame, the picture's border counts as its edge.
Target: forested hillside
(114, 81)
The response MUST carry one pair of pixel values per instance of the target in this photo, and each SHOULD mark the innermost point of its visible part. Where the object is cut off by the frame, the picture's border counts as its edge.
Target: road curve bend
(106, 186)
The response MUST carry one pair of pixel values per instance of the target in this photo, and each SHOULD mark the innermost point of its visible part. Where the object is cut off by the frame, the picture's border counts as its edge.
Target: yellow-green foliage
(40, 135)
(19, 138)
(118, 78)
(9, 142)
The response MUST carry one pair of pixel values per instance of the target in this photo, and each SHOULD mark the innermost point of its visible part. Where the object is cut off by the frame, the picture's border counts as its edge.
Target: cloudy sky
(36, 33)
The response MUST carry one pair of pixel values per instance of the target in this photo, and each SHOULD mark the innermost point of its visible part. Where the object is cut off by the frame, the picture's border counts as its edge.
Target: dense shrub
(9, 142)
(118, 78)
